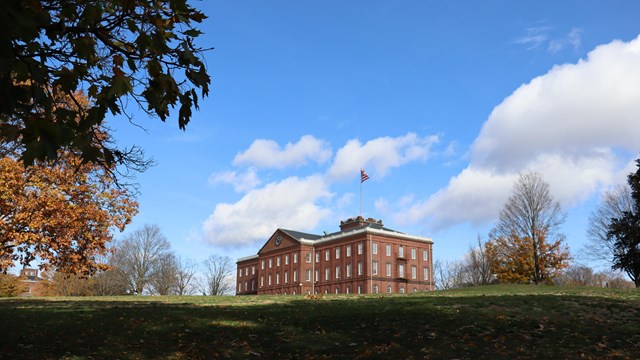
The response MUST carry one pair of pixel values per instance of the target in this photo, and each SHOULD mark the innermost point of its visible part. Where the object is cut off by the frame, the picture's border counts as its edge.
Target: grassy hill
(486, 322)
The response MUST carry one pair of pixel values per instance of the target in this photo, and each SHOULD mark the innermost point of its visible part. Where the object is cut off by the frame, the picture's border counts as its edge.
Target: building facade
(363, 257)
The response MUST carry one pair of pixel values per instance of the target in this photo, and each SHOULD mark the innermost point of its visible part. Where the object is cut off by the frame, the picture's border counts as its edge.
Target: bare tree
(164, 279)
(612, 206)
(185, 275)
(531, 213)
(139, 255)
(448, 274)
(476, 266)
(217, 275)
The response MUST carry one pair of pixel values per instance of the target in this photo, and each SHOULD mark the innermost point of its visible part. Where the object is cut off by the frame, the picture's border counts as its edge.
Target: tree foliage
(61, 214)
(114, 50)
(624, 231)
(511, 258)
(528, 231)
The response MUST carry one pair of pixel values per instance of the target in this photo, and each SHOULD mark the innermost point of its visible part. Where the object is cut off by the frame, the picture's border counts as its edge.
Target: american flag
(363, 176)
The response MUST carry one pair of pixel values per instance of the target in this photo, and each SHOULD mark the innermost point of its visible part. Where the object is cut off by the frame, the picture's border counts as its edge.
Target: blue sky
(443, 103)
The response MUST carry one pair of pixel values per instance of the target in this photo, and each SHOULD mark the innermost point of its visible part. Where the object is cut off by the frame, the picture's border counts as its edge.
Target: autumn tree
(512, 261)
(217, 275)
(624, 232)
(139, 256)
(136, 51)
(62, 214)
(526, 244)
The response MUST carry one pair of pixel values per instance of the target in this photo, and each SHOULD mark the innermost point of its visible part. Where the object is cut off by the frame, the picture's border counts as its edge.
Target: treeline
(141, 263)
(526, 244)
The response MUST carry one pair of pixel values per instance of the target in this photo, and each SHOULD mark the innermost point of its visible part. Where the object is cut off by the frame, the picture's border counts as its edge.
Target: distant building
(363, 257)
(29, 278)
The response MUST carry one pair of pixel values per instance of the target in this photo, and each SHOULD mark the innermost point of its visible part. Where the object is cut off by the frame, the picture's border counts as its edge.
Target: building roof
(300, 235)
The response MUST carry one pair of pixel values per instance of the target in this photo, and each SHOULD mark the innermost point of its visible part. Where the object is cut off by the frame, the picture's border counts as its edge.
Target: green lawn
(487, 322)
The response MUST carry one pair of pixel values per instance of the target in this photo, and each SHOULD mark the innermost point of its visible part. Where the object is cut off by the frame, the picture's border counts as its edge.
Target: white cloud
(290, 203)
(379, 155)
(267, 153)
(568, 124)
(241, 182)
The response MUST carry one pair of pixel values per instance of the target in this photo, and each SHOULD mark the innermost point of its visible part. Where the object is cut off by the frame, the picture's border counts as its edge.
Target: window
(348, 250)
(400, 251)
(413, 254)
(295, 258)
(308, 256)
(294, 291)
(327, 255)
(375, 289)
(414, 271)
(360, 249)
(375, 268)
(375, 248)
(425, 255)
(327, 274)
(388, 250)
(277, 278)
(240, 273)
(286, 277)
(401, 289)
(338, 272)
(337, 290)
(239, 287)
(307, 275)
(261, 280)
(253, 270)
(317, 257)
(253, 284)
(401, 270)
(359, 268)
(389, 289)
(317, 278)
(388, 269)
(262, 264)
(326, 291)
(426, 274)
(269, 282)
(295, 275)
(348, 270)
(415, 290)
(286, 259)
(270, 263)
(246, 271)
(348, 289)
(359, 289)
(278, 261)
(337, 253)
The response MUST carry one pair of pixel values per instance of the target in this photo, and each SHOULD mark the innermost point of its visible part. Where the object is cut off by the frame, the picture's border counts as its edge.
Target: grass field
(494, 322)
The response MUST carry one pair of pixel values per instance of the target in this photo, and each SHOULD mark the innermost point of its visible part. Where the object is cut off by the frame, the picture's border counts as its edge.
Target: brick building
(363, 257)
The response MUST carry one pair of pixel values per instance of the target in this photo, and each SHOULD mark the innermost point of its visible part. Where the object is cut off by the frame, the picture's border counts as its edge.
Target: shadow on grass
(467, 327)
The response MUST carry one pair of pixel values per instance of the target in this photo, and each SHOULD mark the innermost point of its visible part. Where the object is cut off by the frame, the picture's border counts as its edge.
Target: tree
(477, 265)
(218, 271)
(139, 255)
(624, 231)
(526, 245)
(113, 49)
(164, 280)
(61, 214)
(512, 261)
(614, 204)
(185, 276)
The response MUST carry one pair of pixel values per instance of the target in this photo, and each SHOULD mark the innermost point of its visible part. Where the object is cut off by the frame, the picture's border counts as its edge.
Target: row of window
(359, 289)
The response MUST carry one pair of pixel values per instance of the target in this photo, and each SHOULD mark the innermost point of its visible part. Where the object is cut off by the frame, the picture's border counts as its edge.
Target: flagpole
(360, 198)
